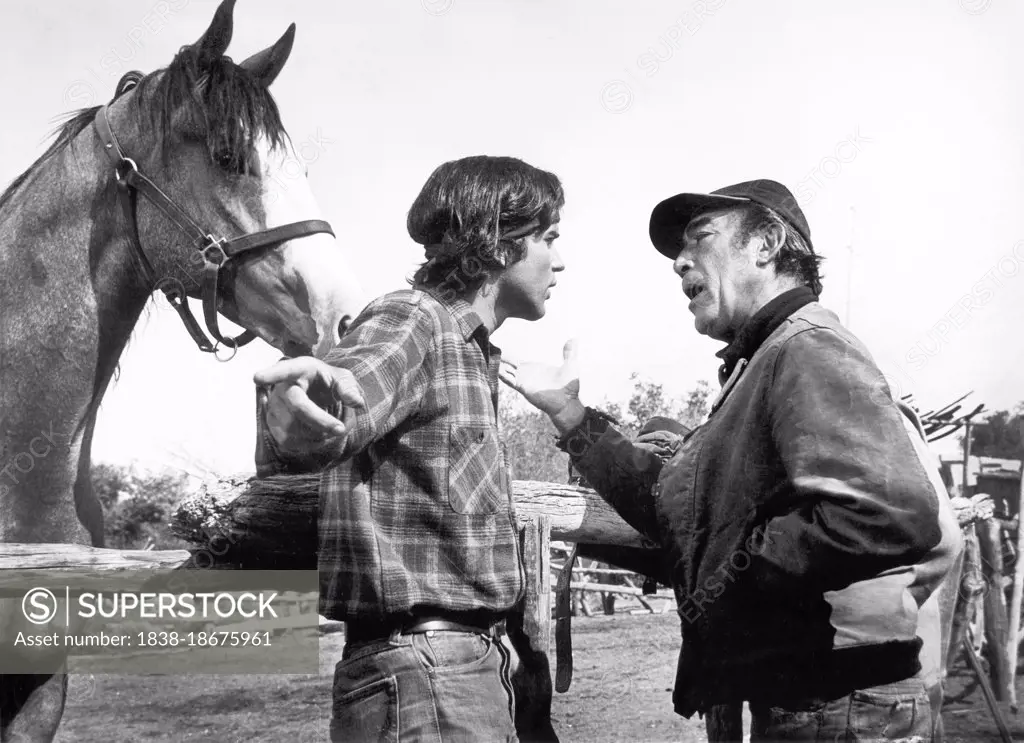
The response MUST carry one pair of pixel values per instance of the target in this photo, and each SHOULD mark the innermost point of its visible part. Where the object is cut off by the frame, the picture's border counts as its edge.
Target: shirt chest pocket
(476, 482)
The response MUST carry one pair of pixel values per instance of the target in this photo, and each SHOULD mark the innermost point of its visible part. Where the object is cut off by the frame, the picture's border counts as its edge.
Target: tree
(999, 435)
(649, 399)
(137, 506)
(530, 444)
(530, 437)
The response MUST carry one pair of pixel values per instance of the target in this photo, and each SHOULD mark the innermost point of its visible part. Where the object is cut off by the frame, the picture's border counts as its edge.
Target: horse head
(207, 135)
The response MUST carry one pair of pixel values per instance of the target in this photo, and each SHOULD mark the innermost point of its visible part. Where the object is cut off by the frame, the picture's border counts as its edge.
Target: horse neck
(72, 285)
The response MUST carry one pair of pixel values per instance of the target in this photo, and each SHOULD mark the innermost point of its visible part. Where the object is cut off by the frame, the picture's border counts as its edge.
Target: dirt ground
(621, 691)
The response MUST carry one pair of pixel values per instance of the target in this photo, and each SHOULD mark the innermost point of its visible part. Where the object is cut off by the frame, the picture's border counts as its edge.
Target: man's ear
(771, 243)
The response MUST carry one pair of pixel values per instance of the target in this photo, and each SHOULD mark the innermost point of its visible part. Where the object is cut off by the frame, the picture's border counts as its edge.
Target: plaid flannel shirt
(416, 511)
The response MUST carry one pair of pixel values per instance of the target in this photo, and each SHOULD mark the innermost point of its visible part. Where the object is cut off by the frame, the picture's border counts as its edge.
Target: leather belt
(371, 631)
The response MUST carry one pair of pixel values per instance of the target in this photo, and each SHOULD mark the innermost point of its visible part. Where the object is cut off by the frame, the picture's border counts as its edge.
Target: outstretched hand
(302, 391)
(554, 390)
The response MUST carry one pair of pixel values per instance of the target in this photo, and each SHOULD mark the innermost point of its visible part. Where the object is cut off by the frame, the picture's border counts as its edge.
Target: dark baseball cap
(672, 215)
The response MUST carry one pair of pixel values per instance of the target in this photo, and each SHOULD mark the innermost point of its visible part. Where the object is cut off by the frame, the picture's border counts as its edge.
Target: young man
(806, 532)
(418, 544)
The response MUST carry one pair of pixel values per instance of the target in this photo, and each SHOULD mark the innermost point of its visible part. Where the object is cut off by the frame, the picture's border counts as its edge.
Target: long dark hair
(472, 214)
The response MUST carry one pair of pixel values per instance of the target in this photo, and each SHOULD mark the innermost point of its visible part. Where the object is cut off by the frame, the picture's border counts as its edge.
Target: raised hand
(302, 392)
(554, 390)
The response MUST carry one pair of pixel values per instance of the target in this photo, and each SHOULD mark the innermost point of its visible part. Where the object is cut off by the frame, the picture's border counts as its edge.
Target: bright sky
(906, 113)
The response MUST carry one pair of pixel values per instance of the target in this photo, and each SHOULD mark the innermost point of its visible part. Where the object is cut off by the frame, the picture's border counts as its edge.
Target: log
(236, 517)
(270, 523)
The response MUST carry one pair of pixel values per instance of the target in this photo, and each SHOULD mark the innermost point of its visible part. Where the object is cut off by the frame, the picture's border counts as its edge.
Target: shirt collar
(757, 329)
(469, 321)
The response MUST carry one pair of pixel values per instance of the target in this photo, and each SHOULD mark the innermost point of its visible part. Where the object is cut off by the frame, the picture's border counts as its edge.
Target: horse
(175, 184)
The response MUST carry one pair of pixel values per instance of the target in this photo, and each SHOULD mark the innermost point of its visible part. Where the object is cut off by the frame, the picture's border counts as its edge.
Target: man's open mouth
(693, 290)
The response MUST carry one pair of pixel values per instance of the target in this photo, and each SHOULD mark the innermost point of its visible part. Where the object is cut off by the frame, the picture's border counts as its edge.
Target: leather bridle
(214, 251)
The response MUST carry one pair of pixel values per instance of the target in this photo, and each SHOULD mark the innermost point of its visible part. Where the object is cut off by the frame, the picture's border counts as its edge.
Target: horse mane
(69, 126)
(214, 100)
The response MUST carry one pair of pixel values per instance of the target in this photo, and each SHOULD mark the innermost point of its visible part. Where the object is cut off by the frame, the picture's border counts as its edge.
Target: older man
(804, 530)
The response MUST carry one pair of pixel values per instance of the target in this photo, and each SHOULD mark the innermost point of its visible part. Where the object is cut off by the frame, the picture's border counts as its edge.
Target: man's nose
(556, 260)
(682, 263)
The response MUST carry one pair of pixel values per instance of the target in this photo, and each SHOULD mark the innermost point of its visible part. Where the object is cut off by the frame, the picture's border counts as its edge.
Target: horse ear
(267, 64)
(214, 42)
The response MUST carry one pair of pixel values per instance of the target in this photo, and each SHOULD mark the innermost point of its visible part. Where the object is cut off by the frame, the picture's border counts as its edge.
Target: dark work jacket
(804, 522)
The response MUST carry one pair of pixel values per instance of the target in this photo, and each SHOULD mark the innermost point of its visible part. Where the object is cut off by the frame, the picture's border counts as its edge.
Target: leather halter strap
(214, 252)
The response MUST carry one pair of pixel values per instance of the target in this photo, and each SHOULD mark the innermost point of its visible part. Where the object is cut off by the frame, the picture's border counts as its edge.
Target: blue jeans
(900, 711)
(432, 686)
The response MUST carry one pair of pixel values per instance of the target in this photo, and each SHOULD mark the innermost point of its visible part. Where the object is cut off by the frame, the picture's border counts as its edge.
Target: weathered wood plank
(536, 541)
(25, 566)
(77, 557)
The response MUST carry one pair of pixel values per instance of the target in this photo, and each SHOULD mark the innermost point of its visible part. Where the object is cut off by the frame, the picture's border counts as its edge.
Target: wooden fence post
(529, 630)
(537, 559)
(990, 542)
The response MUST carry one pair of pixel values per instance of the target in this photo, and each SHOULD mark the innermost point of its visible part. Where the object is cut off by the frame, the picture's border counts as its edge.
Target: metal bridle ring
(173, 289)
(219, 344)
(213, 252)
(123, 176)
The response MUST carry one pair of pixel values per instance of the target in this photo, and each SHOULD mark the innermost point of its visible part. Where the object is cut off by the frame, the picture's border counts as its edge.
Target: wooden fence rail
(241, 520)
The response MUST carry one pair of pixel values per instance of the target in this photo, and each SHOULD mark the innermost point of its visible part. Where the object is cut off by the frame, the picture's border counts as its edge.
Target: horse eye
(227, 161)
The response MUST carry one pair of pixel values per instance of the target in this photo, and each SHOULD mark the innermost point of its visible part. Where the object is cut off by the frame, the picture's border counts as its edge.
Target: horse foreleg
(31, 706)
